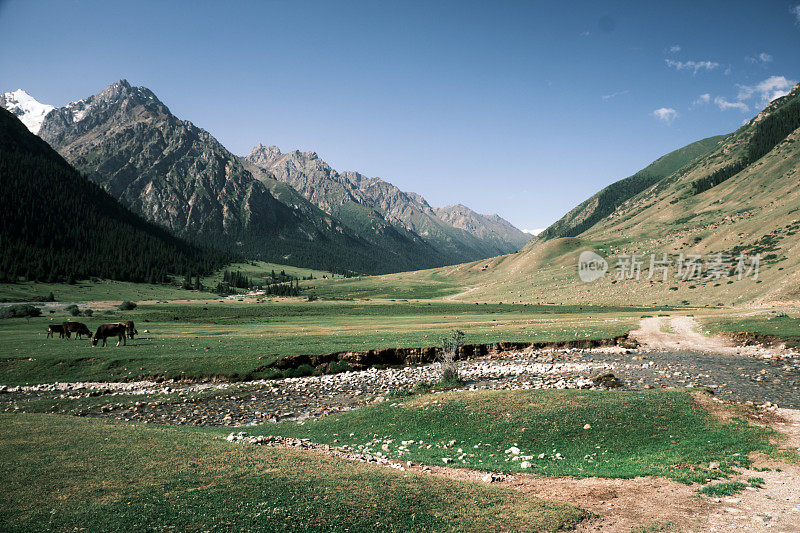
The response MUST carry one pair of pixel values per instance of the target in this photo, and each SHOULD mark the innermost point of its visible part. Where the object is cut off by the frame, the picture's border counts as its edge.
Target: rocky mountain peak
(26, 108)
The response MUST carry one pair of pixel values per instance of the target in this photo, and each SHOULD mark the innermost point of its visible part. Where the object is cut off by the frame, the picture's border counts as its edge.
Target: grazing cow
(109, 330)
(57, 328)
(130, 329)
(78, 328)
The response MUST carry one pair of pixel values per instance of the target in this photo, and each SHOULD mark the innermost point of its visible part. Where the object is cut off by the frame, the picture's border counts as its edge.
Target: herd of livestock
(121, 330)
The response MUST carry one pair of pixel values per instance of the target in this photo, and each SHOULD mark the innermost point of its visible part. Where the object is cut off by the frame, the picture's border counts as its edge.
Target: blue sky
(519, 108)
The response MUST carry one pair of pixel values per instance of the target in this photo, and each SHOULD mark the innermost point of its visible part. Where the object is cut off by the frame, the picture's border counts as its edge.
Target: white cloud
(533, 232)
(702, 99)
(607, 97)
(693, 66)
(665, 114)
(795, 10)
(724, 104)
(675, 48)
(763, 57)
(767, 90)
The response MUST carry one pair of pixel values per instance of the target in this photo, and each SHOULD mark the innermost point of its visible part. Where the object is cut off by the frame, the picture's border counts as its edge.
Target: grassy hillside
(742, 197)
(602, 204)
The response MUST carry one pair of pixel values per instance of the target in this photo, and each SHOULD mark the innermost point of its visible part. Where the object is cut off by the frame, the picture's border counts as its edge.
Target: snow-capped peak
(26, 108)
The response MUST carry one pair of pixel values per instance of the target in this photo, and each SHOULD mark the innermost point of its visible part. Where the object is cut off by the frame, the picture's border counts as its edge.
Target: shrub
(127, 305)
(88, 312)
(451, 345)
(300, 371)
(73, 310)
(20, 311)
(723, 489)
(339, 366)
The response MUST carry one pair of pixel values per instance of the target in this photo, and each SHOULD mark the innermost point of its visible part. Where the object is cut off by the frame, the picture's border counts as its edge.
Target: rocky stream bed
(759, 377)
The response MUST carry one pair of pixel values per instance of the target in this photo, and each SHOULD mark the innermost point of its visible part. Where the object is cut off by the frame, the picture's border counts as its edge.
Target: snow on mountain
(533, 232)
(26, 108)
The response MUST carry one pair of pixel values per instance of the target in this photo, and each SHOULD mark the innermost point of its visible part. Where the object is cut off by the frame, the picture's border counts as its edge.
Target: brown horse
(57, 328)
(78, 328)
(130, 329)
(109, 330)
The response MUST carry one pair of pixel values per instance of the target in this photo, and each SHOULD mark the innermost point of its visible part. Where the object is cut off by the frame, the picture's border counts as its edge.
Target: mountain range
(291, 208)
(363, 203)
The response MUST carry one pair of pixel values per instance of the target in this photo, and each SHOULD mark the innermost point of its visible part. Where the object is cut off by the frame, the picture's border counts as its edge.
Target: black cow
(109, 330)
(57, 328)
(78, 328)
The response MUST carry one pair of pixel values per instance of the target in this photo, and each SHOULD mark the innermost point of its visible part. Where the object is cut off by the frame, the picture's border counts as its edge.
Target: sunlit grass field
(65, 473)
(785, 326)
(237, 340)
(643, 433)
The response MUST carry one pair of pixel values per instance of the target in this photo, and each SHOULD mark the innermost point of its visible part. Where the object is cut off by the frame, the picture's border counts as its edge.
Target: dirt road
(685, 333)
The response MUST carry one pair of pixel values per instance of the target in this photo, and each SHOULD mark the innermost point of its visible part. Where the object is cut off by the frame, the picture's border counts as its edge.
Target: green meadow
(238, 340)
(65, 473)
(559, 433)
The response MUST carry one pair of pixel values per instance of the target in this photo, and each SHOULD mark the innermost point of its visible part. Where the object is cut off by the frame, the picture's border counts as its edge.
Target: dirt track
(684, 333)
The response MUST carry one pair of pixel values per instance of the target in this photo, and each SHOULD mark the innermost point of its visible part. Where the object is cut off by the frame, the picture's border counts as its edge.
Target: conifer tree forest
(56, 225)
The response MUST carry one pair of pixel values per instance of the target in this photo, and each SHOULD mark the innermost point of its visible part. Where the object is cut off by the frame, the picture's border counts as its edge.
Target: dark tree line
(766, 135)
(56, 225)
(283, 289)
(280, 284)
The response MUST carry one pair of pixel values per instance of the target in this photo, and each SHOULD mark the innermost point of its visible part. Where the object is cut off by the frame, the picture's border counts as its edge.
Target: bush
(73, 310)
(20, 311)
(127, 305)
(88, 312)
(339, 366)
(300, 371)
(723, 489)
(447, 358)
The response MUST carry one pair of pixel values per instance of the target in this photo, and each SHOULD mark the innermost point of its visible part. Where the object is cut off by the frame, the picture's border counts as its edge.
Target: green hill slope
(602, 204)
(741, 198)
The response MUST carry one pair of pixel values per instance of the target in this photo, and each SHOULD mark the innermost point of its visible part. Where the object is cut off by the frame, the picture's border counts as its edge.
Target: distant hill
(55, 225)
(591, 211)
